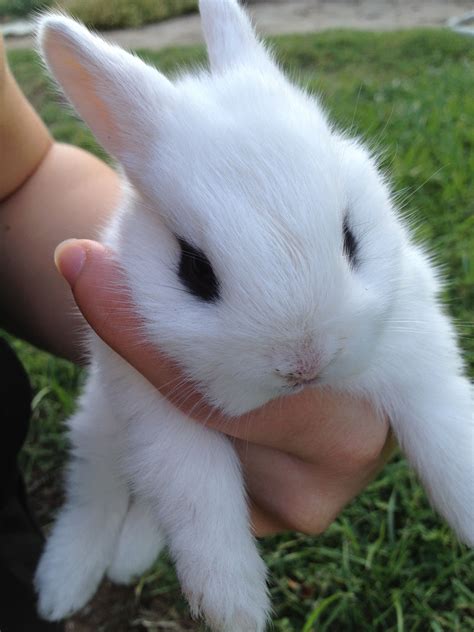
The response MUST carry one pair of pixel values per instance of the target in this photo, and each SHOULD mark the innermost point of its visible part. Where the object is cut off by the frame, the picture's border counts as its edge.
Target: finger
(264, 523)
(287, 491)
(294, 495)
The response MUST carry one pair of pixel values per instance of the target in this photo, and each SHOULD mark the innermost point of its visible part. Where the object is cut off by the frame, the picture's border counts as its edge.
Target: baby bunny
(264, 254)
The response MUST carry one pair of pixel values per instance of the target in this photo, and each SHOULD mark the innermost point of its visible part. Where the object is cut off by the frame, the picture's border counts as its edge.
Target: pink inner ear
(110, 89)
(80, 87)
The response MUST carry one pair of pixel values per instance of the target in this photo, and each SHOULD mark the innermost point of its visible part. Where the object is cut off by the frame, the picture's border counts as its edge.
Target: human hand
(304, 456)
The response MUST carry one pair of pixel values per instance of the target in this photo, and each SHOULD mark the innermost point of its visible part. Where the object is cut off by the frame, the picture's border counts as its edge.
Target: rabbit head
(260, 243)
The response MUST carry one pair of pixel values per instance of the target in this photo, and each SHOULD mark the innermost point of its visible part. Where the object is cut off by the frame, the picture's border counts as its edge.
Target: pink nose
(303, 364)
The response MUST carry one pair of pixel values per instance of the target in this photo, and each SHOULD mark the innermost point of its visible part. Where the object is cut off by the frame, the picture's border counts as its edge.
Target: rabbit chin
(236, 403)
(234, 400)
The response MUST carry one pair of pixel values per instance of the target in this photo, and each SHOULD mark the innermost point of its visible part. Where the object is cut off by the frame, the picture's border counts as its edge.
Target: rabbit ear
(230, 37)
(115, 93)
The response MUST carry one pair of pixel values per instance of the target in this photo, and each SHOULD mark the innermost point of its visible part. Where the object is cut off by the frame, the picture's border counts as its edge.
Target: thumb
(101, 294)
(97, 284)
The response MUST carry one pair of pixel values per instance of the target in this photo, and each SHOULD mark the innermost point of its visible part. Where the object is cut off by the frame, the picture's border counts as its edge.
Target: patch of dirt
(297, 16)
(117, 609)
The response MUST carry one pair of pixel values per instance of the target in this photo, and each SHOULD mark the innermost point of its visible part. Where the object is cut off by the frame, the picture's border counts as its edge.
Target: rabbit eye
(196, 274)
(350, 244)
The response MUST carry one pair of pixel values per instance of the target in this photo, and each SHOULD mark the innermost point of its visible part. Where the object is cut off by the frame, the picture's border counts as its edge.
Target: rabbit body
(314, 275)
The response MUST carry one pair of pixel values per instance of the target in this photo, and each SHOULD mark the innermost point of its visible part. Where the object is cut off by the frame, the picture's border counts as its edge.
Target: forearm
(24, 139)
(48, 192)
(71, 193)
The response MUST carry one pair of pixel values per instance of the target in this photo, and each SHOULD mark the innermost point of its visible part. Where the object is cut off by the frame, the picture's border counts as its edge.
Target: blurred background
(274, 16)
(398, 73)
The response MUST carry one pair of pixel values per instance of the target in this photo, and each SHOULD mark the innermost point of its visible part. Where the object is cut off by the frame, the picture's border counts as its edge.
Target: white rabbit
(264, 254)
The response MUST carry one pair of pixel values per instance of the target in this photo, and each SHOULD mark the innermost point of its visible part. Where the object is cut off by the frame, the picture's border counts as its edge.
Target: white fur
(245, 166)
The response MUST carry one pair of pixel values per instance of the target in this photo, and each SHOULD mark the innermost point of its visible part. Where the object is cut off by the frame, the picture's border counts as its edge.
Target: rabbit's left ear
(115, 93)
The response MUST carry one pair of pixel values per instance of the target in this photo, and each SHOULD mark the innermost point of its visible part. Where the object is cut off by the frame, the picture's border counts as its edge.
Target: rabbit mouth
(300, 385)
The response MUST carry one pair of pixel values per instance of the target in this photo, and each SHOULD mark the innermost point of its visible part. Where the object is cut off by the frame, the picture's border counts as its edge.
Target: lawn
(103, 14)
(388, 563)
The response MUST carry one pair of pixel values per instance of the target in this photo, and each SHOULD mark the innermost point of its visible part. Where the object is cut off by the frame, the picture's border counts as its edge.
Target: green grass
(20, 8)
(109, 14)
(388, 563)
(104, 14)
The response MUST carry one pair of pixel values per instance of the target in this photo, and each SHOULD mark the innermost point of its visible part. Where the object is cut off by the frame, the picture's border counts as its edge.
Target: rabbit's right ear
(115, 93)
(230, 36)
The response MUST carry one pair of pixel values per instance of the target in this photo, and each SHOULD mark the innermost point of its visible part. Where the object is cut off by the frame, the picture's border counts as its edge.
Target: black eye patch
(196, 274)
(350, 246)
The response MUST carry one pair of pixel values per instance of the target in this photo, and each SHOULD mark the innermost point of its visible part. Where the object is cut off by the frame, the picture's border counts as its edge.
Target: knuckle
(362, 446)
(358, 452)
(360, 456)
(308, 516)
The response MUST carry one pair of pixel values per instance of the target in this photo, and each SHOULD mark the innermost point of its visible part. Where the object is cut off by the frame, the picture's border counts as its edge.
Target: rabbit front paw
(138, 544)
(75, 558)
(231, 594)
(65, 582)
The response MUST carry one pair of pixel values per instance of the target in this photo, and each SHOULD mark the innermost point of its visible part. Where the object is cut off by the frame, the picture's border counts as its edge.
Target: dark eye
(350, 243)
(196, 273)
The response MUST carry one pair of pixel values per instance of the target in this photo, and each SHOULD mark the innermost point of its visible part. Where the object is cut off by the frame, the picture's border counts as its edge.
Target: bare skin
(69, 193)
(304, 457)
